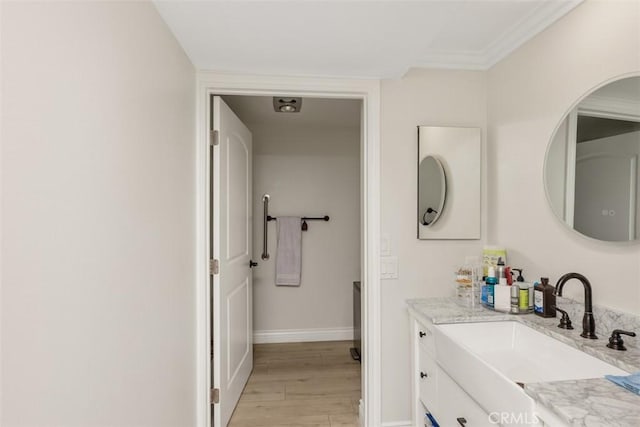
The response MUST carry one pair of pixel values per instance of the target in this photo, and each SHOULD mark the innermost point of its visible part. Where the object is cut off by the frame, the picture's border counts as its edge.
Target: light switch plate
(389, 267)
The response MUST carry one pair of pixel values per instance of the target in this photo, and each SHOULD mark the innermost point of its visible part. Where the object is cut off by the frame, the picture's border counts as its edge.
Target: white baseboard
(302, 335)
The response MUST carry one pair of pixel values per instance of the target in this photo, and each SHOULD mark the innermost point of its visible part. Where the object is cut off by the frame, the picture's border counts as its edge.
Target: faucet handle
(616, 342)
(620, 331)
(565, 321)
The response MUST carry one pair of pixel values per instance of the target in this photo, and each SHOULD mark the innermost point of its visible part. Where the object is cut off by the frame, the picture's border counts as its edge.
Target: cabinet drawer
(456, 407)
(426, 339)
(428, 380)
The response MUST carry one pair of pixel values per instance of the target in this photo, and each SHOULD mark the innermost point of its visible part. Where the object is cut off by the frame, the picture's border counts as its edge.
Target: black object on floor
(356, 351)
(355, 355)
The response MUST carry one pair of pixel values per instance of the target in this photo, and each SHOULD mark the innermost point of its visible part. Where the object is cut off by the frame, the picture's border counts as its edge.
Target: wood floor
(301, 384)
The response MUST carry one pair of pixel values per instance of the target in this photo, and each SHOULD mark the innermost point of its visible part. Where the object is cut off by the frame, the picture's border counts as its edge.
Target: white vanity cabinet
(491, 369)
(434, 391)
(423, 372)
(456, 407)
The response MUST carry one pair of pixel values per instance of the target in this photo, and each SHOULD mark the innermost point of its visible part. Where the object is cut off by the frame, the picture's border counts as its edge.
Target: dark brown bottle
(544, 299)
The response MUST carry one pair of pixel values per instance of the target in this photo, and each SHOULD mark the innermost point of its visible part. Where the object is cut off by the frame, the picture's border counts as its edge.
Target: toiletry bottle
(502, 298)
(538, 292)
(491, 286)
(515, 298)
(549, 300)
(531, 298)
(491, 281)
(523, 297)
(500, 273)
(544, 299)
(483, 292)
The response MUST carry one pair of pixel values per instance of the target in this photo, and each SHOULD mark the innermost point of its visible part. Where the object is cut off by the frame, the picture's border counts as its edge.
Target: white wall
(529, 93)
(308, 172)
(97, 217)
(422, 97)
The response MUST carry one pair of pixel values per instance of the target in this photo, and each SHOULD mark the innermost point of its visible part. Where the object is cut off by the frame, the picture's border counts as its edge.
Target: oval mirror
(432, 190)
(591, 167)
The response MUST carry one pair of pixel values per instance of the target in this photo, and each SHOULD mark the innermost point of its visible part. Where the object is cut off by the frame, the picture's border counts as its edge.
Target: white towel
(288, 256)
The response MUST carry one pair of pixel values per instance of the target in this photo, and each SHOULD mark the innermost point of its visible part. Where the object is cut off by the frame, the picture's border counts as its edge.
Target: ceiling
(257, 111)
(376, 39)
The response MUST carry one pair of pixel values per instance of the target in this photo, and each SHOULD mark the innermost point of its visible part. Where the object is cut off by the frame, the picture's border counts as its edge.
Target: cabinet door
(428, 380)
(426, 339)
(456, 407)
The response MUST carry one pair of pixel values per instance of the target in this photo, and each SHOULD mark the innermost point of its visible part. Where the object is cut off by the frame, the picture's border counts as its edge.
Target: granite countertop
(591, 402)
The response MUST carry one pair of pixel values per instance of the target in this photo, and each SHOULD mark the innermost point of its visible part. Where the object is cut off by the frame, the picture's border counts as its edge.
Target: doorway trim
(367, 90)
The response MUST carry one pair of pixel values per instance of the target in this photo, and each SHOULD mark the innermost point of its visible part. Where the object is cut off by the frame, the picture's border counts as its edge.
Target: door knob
(252, 263)
(462, 421)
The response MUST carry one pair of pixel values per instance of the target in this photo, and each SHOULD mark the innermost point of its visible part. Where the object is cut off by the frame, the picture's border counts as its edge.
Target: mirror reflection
(449, 179)
(432, 189)
(591, 168)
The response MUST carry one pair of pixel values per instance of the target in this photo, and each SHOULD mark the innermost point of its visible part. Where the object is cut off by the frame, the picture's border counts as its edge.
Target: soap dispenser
(544, 298)
(519, 278)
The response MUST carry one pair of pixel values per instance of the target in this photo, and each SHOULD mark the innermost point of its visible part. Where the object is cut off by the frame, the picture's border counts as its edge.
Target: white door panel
(237, 330)
(605, 196)
(231, 234)
(238, 205)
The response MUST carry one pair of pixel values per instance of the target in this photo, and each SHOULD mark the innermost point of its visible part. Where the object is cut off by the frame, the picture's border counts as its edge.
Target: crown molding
(519, 33)
(542, 17)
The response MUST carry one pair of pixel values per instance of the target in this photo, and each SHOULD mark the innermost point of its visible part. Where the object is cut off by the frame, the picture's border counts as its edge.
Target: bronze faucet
(588, 322)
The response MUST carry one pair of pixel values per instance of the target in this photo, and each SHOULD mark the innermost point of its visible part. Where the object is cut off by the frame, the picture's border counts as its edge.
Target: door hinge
(214, 266)
(214, 138)
(214, 395)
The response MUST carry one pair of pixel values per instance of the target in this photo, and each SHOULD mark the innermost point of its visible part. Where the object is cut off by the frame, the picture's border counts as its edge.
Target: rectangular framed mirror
(449, 182)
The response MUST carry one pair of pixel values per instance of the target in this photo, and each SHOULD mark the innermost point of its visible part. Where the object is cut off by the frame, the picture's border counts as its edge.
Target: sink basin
(488, 359)
(525, 355)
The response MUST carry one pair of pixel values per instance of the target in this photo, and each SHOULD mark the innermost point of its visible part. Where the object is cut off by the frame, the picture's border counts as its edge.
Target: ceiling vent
(287, 105)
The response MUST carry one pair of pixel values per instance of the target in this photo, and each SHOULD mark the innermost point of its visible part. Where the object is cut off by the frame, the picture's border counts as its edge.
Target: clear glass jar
(467, 285)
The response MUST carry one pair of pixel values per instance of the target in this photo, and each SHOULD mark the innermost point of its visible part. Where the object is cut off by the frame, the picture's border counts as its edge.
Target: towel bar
(267, 218)
(304, 218)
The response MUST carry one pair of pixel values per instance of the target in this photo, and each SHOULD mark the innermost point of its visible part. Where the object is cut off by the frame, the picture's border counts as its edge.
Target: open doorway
(307, 164)
(367, 91)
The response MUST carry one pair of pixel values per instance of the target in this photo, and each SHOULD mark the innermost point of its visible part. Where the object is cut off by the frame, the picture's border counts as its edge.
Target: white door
(605, 200)
(232, 246)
